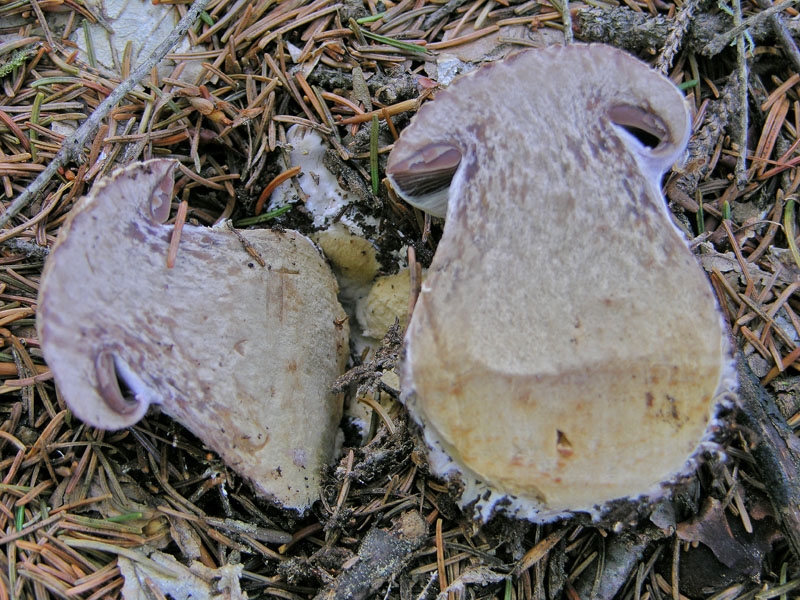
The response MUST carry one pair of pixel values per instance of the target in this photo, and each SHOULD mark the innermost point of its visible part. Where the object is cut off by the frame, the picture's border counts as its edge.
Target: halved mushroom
(241, 354)
(566, 349)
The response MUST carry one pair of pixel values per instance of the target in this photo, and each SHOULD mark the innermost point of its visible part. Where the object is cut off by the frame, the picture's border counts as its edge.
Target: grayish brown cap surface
(566, 349)
(242, 355)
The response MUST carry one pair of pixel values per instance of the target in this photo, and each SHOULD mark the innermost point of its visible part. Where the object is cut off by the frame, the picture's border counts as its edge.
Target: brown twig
(673, 42)
(742, 71)
(73, 145)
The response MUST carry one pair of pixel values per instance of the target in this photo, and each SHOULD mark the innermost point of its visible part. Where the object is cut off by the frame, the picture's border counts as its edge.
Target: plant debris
(73, 499)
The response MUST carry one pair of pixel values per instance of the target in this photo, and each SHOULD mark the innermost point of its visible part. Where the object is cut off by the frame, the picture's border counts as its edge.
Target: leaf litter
(75, 502)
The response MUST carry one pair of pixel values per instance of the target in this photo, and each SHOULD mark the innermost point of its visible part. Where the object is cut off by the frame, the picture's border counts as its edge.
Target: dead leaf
(711, 528)
(196, 582)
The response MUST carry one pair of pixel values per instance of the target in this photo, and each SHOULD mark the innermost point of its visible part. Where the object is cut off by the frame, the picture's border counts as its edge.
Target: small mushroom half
(566, 349)
(242, 354)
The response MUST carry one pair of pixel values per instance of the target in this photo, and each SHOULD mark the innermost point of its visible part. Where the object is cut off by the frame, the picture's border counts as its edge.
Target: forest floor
(82, 510)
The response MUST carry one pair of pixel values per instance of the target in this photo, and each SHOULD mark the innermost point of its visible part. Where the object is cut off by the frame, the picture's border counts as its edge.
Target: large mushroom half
(566, 349)
(241, 353)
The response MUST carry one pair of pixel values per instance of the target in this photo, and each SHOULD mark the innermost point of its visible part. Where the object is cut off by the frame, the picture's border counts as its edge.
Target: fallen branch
(776, 450)
(73, 145)
(382, 554)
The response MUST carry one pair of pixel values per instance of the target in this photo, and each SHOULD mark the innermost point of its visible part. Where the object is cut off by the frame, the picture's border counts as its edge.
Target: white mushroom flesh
(241, 354)
(566, 349)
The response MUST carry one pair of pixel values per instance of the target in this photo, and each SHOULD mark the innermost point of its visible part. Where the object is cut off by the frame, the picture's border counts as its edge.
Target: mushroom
(241, 353)
(566, 349)
(384, 304)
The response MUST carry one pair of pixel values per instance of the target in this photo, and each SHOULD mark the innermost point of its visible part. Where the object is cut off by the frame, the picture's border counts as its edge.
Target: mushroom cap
(240, 354)
(566, 349)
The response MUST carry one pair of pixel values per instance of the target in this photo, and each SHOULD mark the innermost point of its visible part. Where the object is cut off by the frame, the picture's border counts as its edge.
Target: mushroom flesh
(241, 352)
(566, 349)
